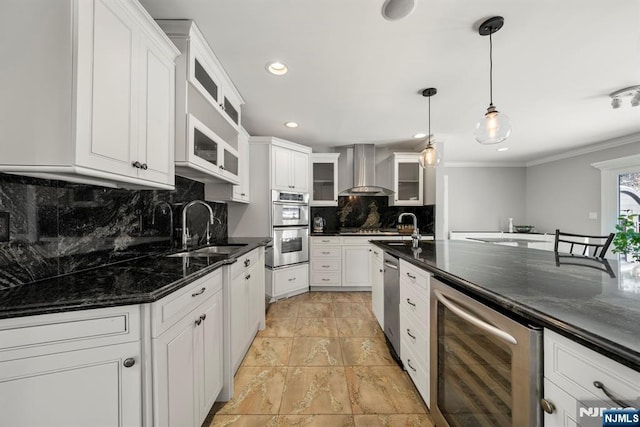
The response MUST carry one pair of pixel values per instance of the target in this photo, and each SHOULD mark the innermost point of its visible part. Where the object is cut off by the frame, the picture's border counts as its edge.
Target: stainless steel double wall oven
(290, 229)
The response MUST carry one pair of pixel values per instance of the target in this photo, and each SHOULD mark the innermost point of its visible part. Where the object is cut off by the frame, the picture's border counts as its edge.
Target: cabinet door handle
(292, 279)
(144, 166)
(247, 277)
(203, 317)
(410, 303)
(411, 276)
(381, 270)
(409, 364)
(598, 384)
(242, 194)
(200, 292)
(129, 362)
(198, 321)
(247, 262)
(547, 406)
(376, 253)
(409, 333)
(136, 164)
(222, 167)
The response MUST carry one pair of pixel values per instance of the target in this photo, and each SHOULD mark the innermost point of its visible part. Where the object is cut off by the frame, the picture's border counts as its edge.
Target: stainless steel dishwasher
(392, 304)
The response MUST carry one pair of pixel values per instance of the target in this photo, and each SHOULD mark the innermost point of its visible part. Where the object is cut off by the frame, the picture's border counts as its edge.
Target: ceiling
(355, 77)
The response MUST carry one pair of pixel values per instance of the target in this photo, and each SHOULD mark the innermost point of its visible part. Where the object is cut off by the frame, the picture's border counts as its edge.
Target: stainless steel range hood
(364, 173)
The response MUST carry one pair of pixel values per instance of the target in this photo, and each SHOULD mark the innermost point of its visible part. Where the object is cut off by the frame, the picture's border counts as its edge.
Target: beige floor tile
(318, 327)
(347, 296)
(319, 351)
(315, 309)
(257, 391)
(404, 420)
(284, 308)
(352, 309)
(315, 391)
(358, 327)
(382, 390)
(370, 351)
(279, 327)
(316, 297)
(244, 421)
(366, 298)
(315, 421)
(269, 351)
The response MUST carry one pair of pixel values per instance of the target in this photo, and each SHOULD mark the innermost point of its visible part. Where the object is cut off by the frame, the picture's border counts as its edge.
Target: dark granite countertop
(583, 302)
(136, 281)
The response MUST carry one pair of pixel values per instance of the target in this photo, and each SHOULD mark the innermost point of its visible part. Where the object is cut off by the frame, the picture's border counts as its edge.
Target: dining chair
(582, 244)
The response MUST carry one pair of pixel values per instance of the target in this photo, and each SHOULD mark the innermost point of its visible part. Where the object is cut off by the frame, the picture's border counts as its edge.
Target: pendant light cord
(490, 70)
(429, 135)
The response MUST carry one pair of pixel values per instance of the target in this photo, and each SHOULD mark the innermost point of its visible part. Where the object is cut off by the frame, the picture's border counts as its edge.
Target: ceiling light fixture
(632, 91)
(419, 135)
(277, 68)
(502, 149)
(291, 125)
(494, 127)
(429, 157)
(393, 10)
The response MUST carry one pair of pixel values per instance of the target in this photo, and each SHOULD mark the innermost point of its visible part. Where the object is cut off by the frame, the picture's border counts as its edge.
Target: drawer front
(575, 368)
(414, 303)
(325, 252)
(290, 279)
(325, 278)
(415, 275)
(172, 308)
(333, 240)
(244, 262)
(419, 373)
(415, 337)
(118, 324)
(326, 265)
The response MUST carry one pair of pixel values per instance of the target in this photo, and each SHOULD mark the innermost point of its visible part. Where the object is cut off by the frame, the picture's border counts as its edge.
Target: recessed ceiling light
(291, 124)
(277, 68)
(502, 149)
(419, 135)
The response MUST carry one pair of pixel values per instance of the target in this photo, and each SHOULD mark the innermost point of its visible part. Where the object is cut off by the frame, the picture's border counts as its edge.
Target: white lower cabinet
(377, 284)
(571, 373)
(414, 325)
(188, 354)
(287, 281)
(71, 369)
(357, 266)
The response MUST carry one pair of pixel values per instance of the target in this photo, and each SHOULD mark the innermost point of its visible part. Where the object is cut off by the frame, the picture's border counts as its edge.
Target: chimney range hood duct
(364, 173)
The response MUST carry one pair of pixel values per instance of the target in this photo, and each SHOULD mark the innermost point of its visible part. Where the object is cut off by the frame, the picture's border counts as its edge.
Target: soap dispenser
(510, 225)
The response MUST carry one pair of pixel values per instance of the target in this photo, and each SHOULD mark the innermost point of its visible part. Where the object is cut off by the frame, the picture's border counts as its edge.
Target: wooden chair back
(583, 244)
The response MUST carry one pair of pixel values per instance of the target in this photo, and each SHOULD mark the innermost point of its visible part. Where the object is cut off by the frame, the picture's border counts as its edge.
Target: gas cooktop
(360, 231)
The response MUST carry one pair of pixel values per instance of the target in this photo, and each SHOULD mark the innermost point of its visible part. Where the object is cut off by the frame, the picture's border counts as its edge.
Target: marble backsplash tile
(57, 227)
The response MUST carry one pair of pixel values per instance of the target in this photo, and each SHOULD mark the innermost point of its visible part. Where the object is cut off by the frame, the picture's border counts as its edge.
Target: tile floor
(321, 361)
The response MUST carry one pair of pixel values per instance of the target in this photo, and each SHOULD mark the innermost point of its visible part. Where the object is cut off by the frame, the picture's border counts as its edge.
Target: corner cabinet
(72, 369)
(324, 179)
(102, 95)
(408, 180)
(239, 192)
(208, 109)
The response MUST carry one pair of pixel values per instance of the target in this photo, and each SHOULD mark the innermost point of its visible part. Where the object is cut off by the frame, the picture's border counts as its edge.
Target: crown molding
(484, 164)
(605, 145)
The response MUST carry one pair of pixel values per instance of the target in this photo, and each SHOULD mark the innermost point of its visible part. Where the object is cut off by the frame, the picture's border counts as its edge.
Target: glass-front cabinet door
(210, 154)
(408, 179)
(324, 179)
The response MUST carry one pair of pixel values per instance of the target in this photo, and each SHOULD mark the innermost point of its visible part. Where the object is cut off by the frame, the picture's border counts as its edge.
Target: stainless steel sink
(209, 251)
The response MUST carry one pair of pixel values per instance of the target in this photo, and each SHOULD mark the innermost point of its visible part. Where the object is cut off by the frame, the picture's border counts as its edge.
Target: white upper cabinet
(408, 179)
(324, 179)
(239, 192)
(93, 90)
(207, 109)
(289, 164)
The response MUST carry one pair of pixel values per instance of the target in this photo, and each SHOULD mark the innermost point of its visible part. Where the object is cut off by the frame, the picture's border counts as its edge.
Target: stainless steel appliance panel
(289, 209)
(290, 246)
(485, 367)
(392, 302)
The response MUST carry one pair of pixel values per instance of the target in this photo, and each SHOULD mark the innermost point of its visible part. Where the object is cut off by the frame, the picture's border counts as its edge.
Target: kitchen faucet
(185, 231)
(153, 216)
(415, 236)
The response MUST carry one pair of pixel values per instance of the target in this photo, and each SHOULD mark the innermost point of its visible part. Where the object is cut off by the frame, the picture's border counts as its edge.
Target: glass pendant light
(429, 157)
(494, 127)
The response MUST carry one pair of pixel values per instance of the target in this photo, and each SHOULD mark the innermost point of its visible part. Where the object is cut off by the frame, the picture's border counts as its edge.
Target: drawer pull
(411, 276)
(409, 333)
(325, 253)
(325, 241)
(129, 362)
(292, 279)
(326, 280)
(598, 384)
(326, 266)
(547, 406)
(247, 277)
(409, 364)
(410, 303)
(247, 262)
(200, 292)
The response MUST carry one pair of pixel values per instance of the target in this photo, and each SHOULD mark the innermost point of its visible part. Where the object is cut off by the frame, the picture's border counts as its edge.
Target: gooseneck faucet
(185, 231)
(153, 216)
(415, 236)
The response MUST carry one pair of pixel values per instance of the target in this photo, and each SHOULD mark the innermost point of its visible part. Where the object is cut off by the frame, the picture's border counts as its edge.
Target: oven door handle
(474, 320)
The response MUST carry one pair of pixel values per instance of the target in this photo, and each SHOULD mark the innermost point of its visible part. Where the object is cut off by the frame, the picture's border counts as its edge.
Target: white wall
(561, 194)
(484, 198)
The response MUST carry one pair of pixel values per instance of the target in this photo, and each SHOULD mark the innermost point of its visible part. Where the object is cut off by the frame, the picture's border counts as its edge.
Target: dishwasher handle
(474, 320)
(388, 264)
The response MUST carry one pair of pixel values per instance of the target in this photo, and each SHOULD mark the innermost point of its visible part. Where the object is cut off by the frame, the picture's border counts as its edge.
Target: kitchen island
(582, 302)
